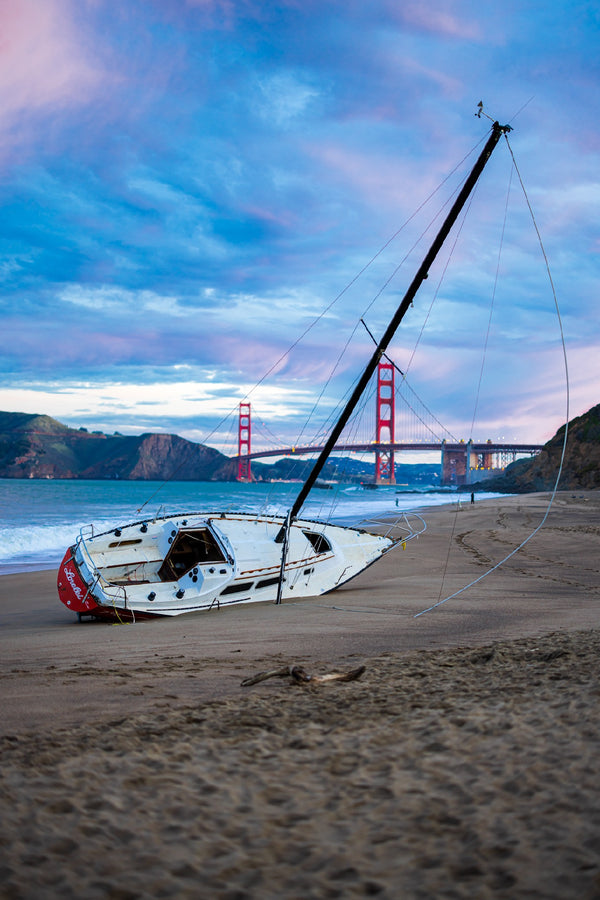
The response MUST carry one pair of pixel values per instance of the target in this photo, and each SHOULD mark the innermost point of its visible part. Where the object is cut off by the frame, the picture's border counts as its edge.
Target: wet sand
(461, 764)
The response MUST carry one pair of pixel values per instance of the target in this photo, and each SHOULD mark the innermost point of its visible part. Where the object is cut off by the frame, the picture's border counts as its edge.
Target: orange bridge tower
(244, 438)
(385, 424)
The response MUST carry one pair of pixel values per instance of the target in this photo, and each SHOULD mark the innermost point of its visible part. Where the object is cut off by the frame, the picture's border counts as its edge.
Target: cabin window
(319, 543)
(237, 588)
(268, 582)
(190, 548)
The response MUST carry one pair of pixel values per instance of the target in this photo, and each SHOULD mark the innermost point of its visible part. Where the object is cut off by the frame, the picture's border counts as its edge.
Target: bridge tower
(244, 436)
(487, 460)
(459, 463)
(385, 424)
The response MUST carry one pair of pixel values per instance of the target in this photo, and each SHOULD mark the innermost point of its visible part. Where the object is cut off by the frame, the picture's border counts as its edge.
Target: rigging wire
(358, 275)
(321, 315)
(347, 287)
(388, 280)
(567, 404)
(489, 324)
(442, 276)
(426, 319)
(413, 392)
(524, 106)
(478, 390)
(477, 393)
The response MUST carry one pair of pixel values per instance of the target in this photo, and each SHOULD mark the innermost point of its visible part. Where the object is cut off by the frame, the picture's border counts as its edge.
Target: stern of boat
(72, 589)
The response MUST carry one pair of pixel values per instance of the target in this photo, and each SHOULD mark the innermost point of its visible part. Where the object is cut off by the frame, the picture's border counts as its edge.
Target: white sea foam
(39, 520)
(38, 545)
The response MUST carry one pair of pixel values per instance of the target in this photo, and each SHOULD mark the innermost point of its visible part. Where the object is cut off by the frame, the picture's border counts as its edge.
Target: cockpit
(192, 547)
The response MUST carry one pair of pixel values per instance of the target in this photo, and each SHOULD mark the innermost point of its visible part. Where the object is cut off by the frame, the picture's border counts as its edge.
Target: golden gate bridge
(462, 462)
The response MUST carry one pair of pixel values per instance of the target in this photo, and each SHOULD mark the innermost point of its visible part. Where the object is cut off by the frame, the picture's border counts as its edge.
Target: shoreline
(15, 565)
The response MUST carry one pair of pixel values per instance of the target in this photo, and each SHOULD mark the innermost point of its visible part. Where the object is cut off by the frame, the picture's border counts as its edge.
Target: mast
(497, 132)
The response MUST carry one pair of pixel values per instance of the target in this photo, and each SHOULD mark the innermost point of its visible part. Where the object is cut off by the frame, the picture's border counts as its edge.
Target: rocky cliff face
(40, 447)
(581, 467)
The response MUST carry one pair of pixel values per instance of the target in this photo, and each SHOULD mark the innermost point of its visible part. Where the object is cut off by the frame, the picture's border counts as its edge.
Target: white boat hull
(182, 564)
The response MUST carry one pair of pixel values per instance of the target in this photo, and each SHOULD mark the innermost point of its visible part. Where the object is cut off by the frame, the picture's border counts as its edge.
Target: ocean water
(39, 519)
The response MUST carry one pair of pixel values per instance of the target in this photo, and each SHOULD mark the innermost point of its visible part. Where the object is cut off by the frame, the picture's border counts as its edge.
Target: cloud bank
(187, 187)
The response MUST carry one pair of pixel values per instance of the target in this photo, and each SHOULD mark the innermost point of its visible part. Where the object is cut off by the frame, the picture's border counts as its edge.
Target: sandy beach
(463, 763)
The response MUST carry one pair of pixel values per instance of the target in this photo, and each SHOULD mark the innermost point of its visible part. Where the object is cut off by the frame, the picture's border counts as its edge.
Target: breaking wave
(40, 519)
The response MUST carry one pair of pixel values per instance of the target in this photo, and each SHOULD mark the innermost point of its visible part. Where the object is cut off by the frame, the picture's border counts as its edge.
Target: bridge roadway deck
(373, 447)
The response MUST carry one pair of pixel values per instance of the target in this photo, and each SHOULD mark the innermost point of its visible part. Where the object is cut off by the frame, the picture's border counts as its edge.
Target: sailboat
(170, 565)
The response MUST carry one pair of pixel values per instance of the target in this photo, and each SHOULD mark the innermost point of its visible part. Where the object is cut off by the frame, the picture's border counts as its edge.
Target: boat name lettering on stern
(70, 576)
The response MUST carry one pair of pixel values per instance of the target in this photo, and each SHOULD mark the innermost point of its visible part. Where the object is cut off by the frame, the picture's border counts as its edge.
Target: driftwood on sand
(300, 676)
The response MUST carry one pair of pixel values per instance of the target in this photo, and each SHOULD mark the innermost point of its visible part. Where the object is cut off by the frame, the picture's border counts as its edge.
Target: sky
(202, 198)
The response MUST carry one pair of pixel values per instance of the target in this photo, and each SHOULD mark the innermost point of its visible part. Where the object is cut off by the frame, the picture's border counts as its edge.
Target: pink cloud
(448, 85)
(44, 63)
(285, 219)
(397, 184)
(438, 18)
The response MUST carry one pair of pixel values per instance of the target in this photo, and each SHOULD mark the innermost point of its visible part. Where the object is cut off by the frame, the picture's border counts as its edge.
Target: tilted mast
(497, 131)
